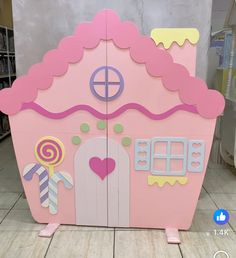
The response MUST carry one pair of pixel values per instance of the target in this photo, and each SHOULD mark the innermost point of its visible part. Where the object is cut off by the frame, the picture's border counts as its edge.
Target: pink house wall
(160, 99)
(141, 88)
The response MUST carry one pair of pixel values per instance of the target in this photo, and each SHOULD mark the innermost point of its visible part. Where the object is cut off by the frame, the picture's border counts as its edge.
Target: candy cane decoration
(53, 181)
(28, 173)
(50, 152)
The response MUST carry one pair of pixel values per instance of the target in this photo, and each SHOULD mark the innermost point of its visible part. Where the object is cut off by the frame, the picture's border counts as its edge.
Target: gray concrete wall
(219, 12)
(39, 25)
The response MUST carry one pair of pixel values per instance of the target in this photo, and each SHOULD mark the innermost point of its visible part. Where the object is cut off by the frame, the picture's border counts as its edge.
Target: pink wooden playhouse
(113, 129)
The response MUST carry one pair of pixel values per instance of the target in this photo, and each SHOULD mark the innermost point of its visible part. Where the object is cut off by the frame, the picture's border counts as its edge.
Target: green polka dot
(76, 140)
(84, 128)
(101, 124)
(126, 141)
(118, 128)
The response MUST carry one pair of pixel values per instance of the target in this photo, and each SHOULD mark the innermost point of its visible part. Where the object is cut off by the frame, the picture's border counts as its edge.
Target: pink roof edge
(107, 26)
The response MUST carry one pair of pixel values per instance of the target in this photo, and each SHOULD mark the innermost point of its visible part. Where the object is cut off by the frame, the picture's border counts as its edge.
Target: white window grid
(169, 156)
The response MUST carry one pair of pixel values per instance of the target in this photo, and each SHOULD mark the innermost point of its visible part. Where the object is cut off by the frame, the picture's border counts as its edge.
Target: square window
(159, 165)
(160, 148)
(168, 156)
(176, 165)
(177, 148)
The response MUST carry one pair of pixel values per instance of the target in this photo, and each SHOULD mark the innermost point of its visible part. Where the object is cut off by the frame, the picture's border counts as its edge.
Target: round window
(106, 83)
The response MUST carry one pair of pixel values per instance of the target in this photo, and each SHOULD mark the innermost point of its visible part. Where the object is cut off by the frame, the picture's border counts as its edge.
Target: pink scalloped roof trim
(107, 26)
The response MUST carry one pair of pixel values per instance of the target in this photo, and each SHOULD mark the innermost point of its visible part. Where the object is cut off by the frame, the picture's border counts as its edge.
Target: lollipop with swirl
(50, 152)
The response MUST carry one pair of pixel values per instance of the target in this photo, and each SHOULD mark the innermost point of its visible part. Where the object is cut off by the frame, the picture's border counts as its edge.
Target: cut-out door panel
(102, 179)
(118, 186)
(91, 190)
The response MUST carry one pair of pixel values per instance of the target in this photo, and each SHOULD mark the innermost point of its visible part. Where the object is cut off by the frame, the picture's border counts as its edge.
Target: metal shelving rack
(7, 71)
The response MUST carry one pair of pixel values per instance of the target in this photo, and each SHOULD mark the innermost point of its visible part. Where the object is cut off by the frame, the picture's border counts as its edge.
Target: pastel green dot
(76, 140)
(118, 128)
(84, 128)
(126, 141)
(101, 124)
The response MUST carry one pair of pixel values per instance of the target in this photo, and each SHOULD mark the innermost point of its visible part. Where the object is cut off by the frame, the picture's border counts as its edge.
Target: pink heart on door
(102, 167)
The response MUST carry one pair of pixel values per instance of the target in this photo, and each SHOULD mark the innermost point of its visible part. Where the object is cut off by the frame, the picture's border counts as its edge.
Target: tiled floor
(19, 233)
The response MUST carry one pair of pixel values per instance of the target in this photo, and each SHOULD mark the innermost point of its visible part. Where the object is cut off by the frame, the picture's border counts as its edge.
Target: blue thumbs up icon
(221, 217)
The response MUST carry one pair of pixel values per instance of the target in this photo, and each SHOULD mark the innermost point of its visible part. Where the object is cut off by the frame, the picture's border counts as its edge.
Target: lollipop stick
(51, 170)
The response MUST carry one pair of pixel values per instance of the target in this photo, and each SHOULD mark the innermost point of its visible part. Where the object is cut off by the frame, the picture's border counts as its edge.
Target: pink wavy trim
(107, 26)
(99, 115)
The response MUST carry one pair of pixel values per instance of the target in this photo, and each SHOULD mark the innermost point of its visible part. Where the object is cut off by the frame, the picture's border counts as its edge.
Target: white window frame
(168, 156)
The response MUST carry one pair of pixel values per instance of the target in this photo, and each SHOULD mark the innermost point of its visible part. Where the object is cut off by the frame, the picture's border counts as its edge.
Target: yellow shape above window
(167, 36)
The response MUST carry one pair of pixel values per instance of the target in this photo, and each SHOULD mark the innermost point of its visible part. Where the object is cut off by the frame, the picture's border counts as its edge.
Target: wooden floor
(19, 233)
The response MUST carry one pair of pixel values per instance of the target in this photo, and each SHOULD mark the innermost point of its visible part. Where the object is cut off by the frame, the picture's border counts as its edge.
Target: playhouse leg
(172, 235)
(49, 230)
